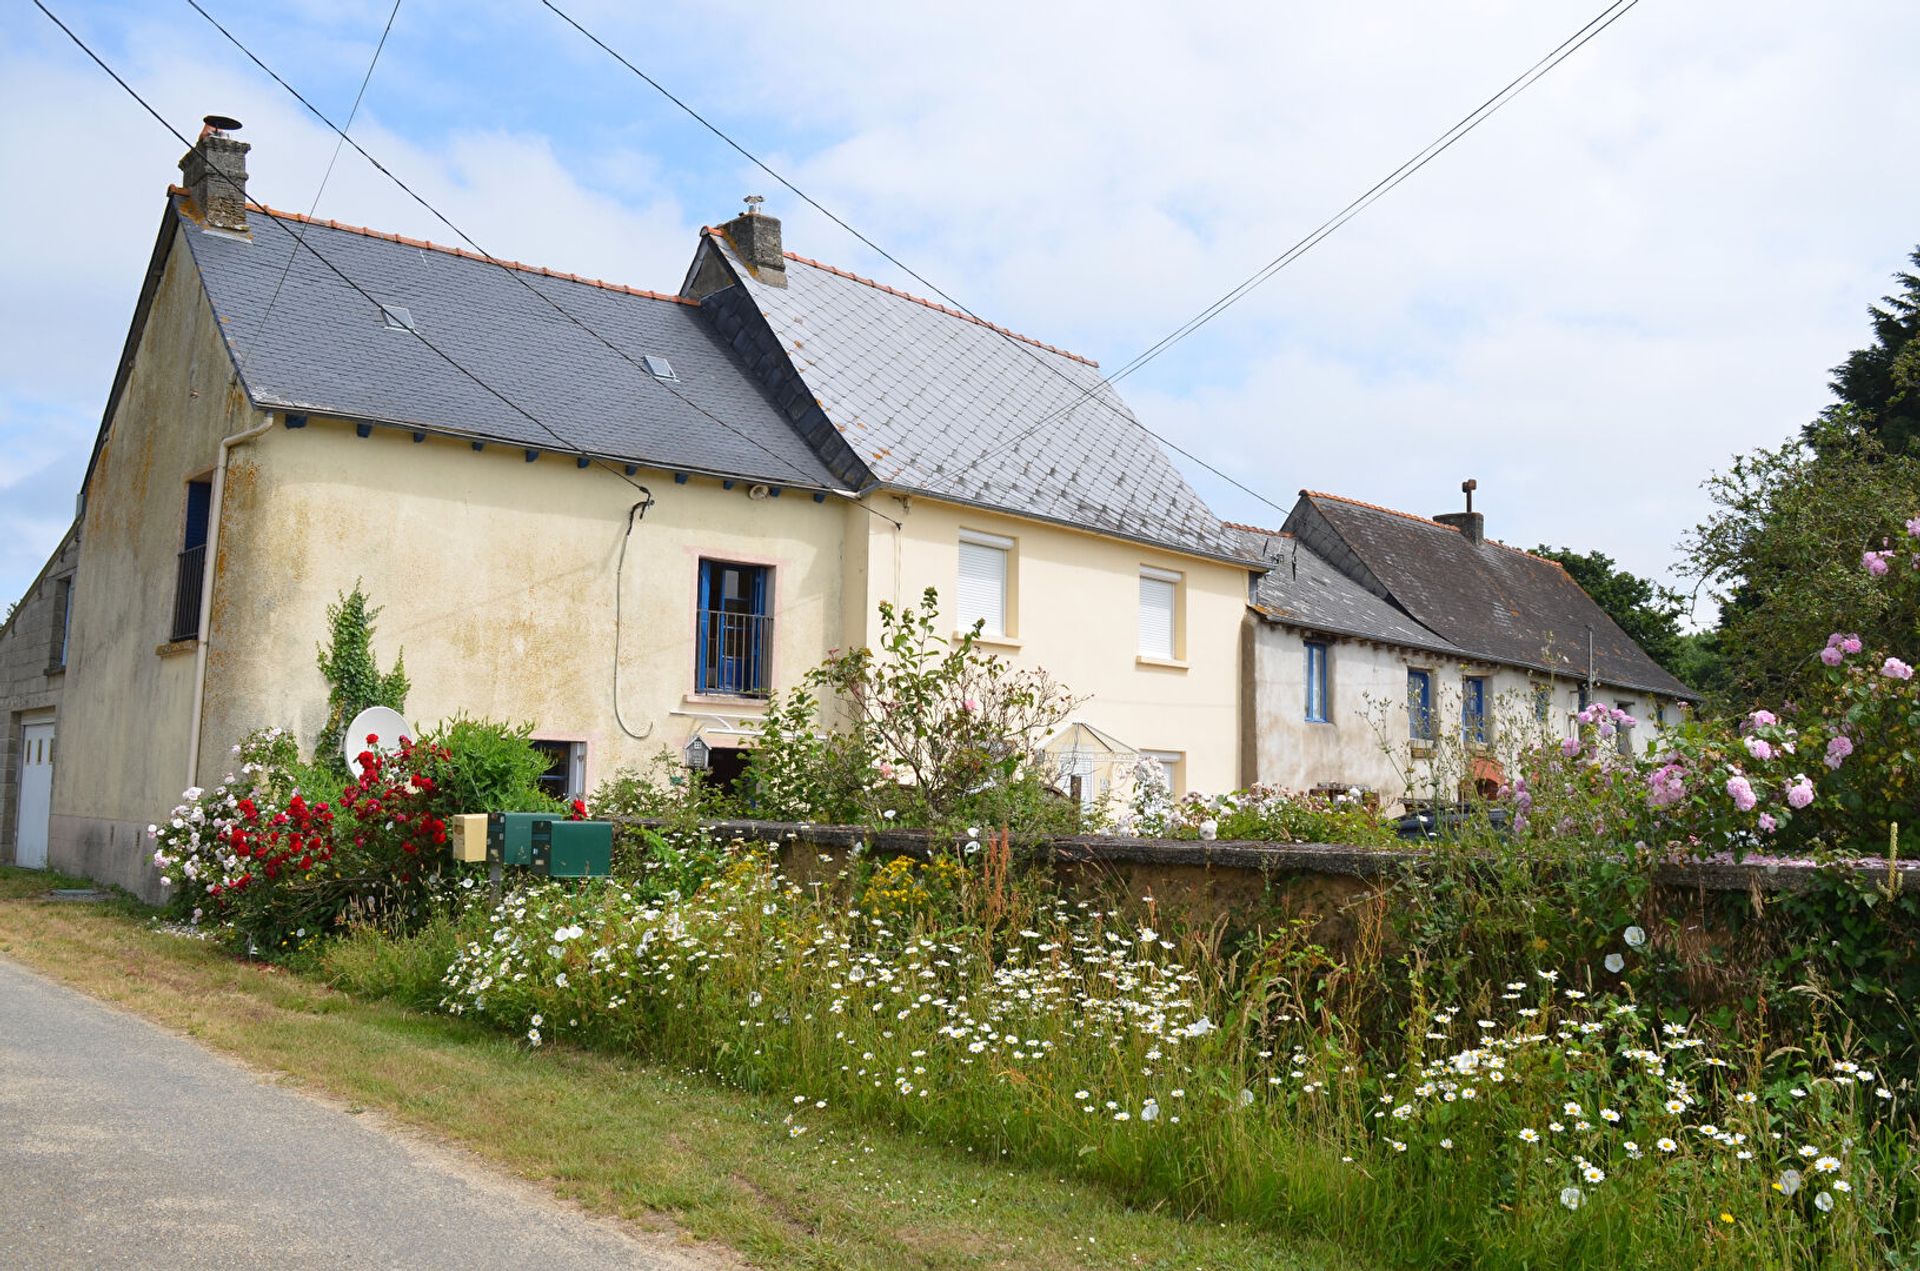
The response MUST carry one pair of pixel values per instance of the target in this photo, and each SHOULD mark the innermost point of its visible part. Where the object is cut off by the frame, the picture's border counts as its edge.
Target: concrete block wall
(31, 678)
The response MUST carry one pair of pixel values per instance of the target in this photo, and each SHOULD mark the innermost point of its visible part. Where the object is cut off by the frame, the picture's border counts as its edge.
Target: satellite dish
(382, 722)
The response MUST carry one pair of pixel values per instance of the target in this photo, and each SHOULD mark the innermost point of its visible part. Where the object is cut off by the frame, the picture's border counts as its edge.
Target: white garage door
(36, 794)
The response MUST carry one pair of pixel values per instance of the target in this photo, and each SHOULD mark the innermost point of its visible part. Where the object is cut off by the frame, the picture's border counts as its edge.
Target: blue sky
(1644, 265)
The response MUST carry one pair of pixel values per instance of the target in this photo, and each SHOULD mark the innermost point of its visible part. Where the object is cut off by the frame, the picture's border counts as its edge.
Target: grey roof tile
(326, 349)
(1491, 600)
(1303, 589)
(933, 401)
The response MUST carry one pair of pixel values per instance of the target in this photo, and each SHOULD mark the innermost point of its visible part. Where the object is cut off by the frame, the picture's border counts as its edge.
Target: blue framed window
(1316, 682)
(1659, 714)
(1420, 705)
(1542, 702)
(1584, 699)
(1473, 710)
(733, 646)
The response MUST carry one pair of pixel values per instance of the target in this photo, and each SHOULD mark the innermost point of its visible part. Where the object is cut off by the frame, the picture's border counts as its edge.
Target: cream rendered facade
(497, 577)
(1367, 738)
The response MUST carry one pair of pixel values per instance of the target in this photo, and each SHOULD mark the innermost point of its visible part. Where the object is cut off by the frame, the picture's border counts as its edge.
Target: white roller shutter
(983, 584)
(1158, 594)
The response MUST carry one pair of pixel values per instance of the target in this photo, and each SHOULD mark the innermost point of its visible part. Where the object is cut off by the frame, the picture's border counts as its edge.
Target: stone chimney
(215, 174)
(757, 239)
(1471, 524)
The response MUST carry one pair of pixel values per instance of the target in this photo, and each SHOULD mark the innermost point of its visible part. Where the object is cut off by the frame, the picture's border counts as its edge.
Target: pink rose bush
(1726, 786)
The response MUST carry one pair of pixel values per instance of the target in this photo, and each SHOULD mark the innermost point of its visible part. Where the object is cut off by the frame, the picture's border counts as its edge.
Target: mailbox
(510, 836)
(573, 849)
(467, 836)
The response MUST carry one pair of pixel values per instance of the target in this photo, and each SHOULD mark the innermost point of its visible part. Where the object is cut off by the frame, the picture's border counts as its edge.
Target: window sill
(997, 641)
(1422, 749)
(57, 668)
(711, 700)
(1171, 664)
(174, 648)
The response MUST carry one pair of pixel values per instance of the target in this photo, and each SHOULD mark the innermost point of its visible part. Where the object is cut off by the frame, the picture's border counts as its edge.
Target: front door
(36, 794)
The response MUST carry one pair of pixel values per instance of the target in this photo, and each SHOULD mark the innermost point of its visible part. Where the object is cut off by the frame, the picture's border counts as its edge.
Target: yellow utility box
(468, 837)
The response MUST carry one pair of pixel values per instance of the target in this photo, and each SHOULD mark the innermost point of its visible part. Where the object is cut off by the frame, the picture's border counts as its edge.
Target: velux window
(733, 647)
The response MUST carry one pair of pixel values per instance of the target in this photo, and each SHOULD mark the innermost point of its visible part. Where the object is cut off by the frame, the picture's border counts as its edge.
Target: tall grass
(1538, 1124)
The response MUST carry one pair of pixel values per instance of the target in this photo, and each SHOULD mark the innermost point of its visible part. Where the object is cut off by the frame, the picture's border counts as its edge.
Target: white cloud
(1643, 265)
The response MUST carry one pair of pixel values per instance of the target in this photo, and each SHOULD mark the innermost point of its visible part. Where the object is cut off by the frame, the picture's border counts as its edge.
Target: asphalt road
(122, 1145)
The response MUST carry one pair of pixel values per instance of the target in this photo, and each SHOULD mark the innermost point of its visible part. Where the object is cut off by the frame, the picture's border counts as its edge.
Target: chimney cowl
(214, 173)
(757, 239)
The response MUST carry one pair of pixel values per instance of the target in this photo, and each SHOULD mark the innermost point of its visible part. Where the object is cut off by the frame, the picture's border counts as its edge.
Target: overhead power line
(326, 176)
(1473, 119)
(300, 244)
(645, 375)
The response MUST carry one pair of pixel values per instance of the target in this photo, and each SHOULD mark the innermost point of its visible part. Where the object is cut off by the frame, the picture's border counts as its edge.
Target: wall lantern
(697, 753)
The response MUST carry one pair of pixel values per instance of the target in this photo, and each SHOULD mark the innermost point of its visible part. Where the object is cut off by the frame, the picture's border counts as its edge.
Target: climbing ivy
(355, 680)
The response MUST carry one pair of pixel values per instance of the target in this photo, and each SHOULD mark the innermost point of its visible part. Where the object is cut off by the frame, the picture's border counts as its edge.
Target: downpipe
(206, 594)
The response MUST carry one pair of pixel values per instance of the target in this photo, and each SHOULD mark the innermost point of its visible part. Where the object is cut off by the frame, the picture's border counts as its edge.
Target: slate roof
(929, 400)
(327, 350)
(1303, 589)
(1491, 600)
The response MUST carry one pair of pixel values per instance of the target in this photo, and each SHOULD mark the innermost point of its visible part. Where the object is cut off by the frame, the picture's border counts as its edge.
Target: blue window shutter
(701, 670)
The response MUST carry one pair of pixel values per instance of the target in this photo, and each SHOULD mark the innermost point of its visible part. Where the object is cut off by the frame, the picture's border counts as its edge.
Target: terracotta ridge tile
(1257, 529)
(463, 253)
(935, 305)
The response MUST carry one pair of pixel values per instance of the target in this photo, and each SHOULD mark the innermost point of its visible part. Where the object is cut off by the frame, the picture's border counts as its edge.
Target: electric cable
(635, 514)
(646, 375)
(1607, 16)
(326, 176)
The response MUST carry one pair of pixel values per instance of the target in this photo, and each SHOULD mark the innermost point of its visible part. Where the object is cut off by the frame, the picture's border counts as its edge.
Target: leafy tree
(354, 678)
(925, 731)
(1644, 609)
(1782, 553)
(1878, 387)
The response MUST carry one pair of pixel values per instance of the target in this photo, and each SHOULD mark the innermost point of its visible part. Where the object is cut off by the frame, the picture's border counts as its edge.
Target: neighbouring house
(628, 517)
(1406, 655)
(33, 674)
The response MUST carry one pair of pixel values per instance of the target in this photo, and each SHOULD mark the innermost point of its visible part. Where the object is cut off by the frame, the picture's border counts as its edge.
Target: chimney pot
(214, 173)
(757, 239)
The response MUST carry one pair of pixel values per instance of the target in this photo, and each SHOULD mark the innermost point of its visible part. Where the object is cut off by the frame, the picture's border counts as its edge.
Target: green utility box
(573, 849)
(510, 836)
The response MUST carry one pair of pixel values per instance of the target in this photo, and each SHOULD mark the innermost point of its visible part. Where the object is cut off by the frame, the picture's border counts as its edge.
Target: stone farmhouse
(630, 517)
(1405, 655)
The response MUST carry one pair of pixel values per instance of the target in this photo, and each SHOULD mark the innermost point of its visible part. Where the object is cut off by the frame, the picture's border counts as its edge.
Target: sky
(1642, 267)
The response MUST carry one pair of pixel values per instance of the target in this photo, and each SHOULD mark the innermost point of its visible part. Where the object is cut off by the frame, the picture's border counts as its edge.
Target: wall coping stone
(1762, 875)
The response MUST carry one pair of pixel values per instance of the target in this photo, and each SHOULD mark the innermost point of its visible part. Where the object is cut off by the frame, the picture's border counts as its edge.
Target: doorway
(36, 794)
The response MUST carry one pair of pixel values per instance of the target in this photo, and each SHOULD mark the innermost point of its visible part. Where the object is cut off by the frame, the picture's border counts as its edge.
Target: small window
(62, 622)
(1159, 610)
(1581, 691)
(1473, 710)
(1623, 739)
(398, 318)
(566, 775)
(659, 367)
(734, 638)
(1420, 705)
(189, 572)
(1542, 702)
(1659, 714)
(985, 561)
(1316, 682)
(1171, 763)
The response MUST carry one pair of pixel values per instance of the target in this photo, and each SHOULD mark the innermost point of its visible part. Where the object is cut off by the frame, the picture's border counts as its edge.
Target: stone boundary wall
(1221, 879)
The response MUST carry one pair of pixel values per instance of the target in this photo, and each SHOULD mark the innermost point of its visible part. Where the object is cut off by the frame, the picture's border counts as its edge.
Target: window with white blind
(1159, 607)
(985, 565)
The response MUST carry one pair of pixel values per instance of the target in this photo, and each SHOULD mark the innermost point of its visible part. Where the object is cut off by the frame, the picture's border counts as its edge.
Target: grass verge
(618, 1137)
